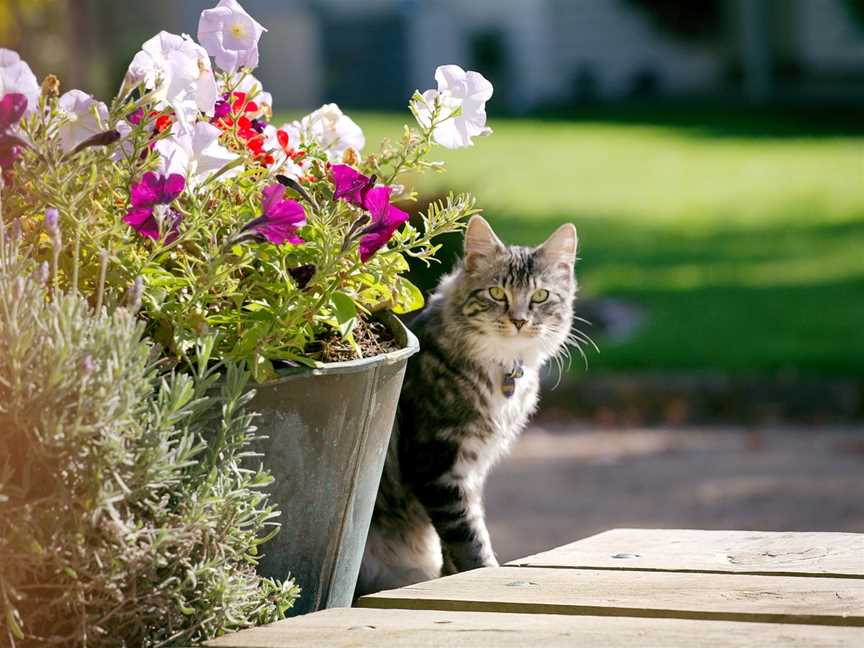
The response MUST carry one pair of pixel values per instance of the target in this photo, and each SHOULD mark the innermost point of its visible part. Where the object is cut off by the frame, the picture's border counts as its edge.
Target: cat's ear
(480, 243)
(560, 248)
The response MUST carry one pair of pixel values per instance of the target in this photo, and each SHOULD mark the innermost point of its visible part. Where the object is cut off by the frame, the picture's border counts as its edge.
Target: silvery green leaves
(135, 469)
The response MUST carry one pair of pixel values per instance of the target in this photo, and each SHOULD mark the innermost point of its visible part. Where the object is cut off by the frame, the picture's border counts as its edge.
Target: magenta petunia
(142, 220)
(385, 219)
(280, 219)
(150, 199)
(155, 189)
(351, 185)
(222, 108)
(12, 108)
(135, 116)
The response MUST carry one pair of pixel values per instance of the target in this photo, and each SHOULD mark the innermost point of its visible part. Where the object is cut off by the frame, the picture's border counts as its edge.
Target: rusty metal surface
(327, 433)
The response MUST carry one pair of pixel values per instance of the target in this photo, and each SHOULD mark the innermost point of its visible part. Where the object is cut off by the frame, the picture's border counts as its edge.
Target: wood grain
(355, 628)
(743, 552)
(731, 597)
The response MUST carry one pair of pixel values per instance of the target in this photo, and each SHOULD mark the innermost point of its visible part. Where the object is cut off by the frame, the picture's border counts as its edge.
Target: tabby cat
(488, 329)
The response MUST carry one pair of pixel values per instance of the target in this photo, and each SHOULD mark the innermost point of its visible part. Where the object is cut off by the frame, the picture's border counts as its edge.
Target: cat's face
(517, 301)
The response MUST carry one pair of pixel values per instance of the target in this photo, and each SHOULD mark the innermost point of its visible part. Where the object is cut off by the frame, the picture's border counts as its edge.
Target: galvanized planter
(327, 433)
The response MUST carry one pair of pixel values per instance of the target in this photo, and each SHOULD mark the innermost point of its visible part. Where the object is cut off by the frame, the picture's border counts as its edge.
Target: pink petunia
(385, 220)
(280, 219)
(12, 108)
(351, 185)
(150, 199)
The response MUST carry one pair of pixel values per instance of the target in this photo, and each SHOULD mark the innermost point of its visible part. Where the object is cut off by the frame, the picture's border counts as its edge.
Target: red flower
(284, 142)
(163, 122)
(241, 106)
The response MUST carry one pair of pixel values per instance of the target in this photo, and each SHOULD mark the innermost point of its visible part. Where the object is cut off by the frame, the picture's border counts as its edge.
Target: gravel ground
(567, 481)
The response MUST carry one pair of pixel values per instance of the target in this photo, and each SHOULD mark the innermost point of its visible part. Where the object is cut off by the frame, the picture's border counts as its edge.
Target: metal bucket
(327, 432)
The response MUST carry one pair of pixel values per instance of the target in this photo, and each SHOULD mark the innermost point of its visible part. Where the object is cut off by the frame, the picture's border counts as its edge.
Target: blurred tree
(692, 20)
(856, 11)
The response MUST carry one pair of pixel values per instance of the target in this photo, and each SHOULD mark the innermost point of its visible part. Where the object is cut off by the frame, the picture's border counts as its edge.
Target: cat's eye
(497, 293)
(540, 296)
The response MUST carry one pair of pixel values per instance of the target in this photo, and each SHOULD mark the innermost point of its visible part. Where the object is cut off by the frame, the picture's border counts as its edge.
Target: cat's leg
(456, 511)
(397, 557)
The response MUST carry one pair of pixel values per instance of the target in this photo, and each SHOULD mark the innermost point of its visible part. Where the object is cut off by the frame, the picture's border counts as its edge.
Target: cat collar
(508, 382)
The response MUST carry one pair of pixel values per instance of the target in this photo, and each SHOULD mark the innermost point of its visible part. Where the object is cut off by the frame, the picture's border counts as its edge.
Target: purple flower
(279, 218)
(222, 108)
(360, 190)
(385, 219)
(12, 108)
(136, 116)
(52, 220)
(150, 199)
(351, 185)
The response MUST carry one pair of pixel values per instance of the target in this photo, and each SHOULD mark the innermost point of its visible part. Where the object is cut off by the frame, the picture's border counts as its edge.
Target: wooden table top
(619, 588)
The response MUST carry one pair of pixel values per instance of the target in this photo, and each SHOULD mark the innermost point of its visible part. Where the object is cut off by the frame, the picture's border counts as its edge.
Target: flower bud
(350, 157)
(51, 86)
(52, 221)
(88, 365)
(134, 294)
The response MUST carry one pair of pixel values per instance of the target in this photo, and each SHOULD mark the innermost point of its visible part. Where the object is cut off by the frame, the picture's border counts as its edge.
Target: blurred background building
(536, 52)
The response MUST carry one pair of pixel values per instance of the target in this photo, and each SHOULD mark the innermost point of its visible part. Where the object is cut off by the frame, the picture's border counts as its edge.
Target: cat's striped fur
(454, 419)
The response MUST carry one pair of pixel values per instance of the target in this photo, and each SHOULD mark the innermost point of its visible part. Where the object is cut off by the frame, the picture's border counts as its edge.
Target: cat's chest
(512, 401)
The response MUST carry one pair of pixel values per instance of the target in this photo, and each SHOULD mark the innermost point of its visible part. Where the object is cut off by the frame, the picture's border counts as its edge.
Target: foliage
(119, 524)
(216, 255)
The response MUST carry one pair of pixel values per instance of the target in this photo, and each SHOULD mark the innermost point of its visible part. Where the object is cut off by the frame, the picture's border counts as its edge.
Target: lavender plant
(272, 239)
(120, 524)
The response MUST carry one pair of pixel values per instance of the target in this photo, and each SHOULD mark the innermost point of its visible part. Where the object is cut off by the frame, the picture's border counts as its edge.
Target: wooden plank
(356, 628)
(731, 597)
(744, 552)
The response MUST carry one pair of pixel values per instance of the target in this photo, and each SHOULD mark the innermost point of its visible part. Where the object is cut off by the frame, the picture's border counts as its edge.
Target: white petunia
(83, 117)
(461, 97)
(16, 76)
(230, 35)
(333, 130)
(178, 70)
(195, 155)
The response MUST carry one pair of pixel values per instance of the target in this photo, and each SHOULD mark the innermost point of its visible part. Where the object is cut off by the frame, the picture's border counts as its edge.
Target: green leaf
(410, 297)
(344, 311)
(262, 369)
(12, 623)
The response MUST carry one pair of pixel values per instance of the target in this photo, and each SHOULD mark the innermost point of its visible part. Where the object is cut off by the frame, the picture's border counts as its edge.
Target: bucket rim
(409, 345)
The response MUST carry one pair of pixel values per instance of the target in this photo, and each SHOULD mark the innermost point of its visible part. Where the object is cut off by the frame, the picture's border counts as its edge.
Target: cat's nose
(518, 323)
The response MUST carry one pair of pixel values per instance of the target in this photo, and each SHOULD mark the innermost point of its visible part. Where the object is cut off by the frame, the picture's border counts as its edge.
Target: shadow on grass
(768, 298)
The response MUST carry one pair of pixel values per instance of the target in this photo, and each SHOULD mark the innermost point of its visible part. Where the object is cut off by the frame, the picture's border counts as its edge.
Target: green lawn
(743, 239)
